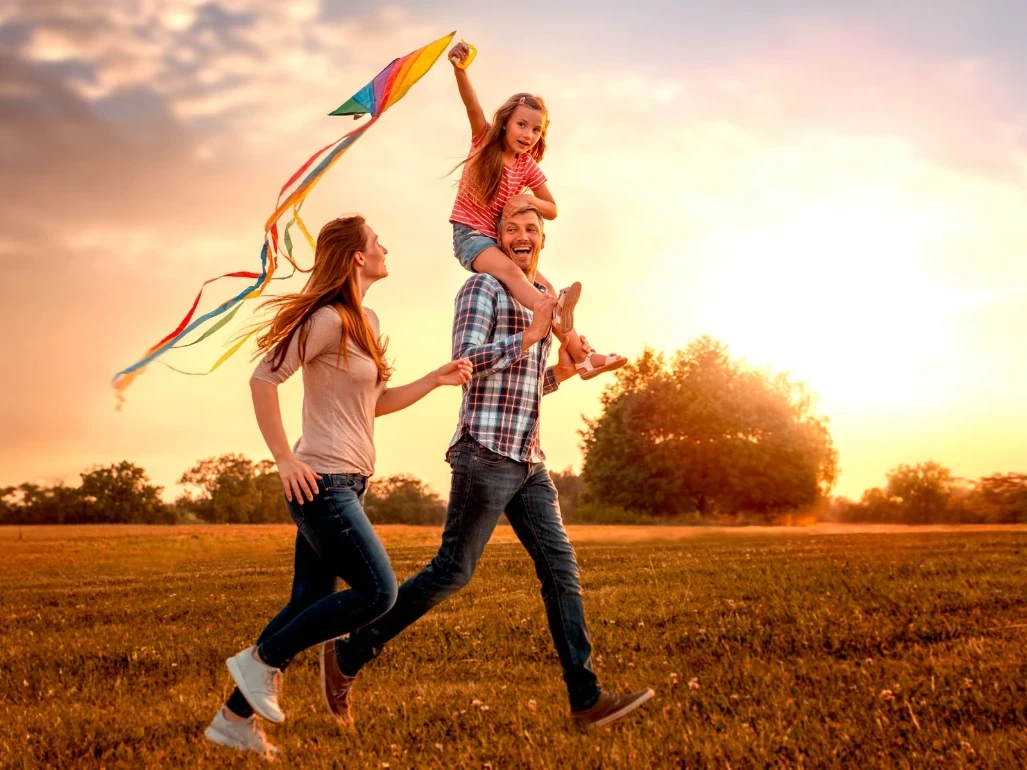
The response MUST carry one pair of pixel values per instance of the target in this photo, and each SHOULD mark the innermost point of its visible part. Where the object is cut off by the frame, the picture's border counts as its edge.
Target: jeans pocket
(456, 455)
(486, 456)
(295, 511)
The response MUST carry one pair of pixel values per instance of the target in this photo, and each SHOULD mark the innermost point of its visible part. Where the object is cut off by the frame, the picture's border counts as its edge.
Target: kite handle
(466, 62)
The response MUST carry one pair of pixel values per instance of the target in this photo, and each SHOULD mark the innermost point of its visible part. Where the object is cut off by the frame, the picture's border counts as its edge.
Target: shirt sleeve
(549, 382)
(473, 325)
(533, 176)
(323, 334)
(476, 141)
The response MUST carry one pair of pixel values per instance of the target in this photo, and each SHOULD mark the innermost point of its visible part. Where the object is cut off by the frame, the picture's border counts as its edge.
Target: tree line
(230, 489)
(928, 493)
(696, 437)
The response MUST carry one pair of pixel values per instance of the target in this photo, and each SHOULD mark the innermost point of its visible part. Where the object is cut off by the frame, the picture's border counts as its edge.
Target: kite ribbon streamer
(388, 87)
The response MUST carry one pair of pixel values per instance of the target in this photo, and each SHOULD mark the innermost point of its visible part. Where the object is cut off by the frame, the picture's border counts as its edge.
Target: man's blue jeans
(486, 484)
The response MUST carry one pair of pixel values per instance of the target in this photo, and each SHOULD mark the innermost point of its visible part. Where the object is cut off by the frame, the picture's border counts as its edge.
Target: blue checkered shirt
(500, 406)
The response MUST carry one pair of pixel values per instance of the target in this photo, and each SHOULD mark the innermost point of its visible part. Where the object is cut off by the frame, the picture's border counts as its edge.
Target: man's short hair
(526, 207)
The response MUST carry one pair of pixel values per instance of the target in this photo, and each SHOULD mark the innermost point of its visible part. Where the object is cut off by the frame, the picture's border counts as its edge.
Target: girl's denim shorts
(468, 244)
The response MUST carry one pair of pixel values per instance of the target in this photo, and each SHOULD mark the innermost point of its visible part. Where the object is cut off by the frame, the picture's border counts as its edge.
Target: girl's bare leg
(494, 262)
(499, 266)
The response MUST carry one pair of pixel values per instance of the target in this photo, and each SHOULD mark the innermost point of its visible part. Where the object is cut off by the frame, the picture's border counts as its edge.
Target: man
(498, 466)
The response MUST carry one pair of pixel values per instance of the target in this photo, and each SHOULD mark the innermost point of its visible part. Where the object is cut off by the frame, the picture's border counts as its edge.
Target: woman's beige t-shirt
(338, 399)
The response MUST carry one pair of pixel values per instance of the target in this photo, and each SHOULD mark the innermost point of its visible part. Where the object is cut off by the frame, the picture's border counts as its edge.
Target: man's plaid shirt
(500, 407)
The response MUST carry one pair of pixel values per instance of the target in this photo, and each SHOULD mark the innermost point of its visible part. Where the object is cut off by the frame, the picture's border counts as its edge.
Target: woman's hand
(458, 53)
(298, 479)
(454, 373)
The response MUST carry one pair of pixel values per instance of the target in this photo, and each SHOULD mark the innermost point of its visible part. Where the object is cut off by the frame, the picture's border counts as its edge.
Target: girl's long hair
(332, 283)
(483, 168)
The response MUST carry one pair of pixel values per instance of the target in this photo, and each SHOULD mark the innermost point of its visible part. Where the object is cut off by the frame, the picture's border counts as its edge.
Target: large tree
(34, 504)
(1000, 499)
(921, 493)
(115, 494)
(569, 488)
(403, 499)
(121, 494)
(704, 433)
(925, 493)
(231, 489)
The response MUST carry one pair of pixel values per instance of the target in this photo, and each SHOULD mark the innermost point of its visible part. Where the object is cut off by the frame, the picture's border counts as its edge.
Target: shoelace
(276, 682)
(344, 687)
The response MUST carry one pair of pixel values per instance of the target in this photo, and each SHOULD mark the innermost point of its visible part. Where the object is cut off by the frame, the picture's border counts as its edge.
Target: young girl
(501, 164)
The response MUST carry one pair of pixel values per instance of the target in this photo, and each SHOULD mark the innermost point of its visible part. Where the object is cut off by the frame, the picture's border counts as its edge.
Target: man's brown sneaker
(335, 685)
(609, 708)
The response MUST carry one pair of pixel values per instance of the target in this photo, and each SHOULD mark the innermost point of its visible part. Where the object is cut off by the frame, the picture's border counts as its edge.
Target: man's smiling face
(521, 238)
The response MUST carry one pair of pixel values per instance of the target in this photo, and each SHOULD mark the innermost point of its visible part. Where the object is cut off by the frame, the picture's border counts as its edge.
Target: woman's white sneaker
(244, 735)
(259, 683)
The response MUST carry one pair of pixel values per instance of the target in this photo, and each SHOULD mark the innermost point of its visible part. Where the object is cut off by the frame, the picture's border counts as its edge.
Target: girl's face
(523, 129)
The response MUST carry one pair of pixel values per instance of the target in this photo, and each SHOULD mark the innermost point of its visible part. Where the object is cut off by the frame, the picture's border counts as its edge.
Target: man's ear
(542, 243)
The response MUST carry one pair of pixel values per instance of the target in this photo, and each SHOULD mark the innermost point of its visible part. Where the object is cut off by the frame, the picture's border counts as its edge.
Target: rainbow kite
(388, 87)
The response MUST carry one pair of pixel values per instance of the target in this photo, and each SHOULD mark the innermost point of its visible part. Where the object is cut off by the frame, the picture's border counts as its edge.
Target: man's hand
(541, 320)
(564, 368)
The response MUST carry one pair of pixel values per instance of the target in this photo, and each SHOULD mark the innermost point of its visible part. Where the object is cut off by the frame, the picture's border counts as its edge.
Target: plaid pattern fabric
(500, 406)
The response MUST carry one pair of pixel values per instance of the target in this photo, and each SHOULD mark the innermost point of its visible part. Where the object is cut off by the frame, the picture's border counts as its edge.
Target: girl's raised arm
(474, 112)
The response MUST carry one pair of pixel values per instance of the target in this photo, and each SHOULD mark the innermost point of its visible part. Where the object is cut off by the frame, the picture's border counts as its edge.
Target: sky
(832, 189)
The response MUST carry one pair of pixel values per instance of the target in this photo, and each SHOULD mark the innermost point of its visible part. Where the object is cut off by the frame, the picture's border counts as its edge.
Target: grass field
(808, 648)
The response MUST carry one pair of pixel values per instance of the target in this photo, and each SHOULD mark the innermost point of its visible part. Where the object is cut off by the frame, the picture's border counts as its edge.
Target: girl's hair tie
(521, 101)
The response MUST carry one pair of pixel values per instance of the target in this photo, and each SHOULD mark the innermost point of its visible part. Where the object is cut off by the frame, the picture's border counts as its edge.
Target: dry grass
(813, 647)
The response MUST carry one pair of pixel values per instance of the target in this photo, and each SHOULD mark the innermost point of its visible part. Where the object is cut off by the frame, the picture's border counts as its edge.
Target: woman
(326, 330)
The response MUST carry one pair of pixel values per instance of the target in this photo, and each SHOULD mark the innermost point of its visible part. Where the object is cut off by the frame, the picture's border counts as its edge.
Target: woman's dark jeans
(334, 540)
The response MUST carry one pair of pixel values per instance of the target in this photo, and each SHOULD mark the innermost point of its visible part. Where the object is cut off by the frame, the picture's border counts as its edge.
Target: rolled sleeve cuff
(513, 349)
(498, 355)
(549, 382)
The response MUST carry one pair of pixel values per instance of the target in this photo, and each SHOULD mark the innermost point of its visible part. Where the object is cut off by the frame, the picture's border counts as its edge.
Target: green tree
(120, 494)
(10, 507)
(922, 493)
(1000, 498)
(925, 493)
(226, 489)
(569, 487)
(58, 504)
(703, 433)
(877, 507)
(403, 499)
(270, 507)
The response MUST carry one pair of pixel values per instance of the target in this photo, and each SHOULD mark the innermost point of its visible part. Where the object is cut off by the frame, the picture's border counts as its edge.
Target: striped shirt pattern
(500, 406)
(467, 210)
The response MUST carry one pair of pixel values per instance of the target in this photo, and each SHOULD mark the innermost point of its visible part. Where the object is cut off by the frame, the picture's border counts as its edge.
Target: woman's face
(374, 256)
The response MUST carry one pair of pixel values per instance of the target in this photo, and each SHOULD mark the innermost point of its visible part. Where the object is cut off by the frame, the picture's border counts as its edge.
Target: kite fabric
(388, 87)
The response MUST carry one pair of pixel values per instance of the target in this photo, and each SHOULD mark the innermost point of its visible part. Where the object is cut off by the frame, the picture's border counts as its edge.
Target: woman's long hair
(332, 282)
(483, 168)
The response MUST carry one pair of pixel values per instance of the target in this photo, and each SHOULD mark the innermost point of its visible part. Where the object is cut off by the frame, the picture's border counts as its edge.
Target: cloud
(141, 146)
(814, 78)
(144, 143)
